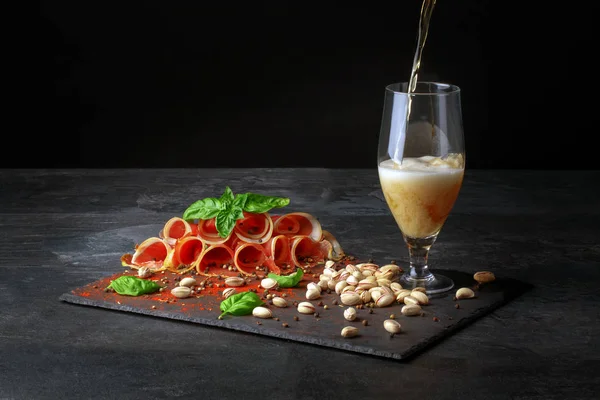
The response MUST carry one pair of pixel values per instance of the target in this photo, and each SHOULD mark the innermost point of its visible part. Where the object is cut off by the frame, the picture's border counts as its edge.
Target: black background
(270, 84)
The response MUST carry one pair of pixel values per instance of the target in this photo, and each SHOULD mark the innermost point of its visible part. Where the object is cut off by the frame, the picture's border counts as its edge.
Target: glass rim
(450, 88)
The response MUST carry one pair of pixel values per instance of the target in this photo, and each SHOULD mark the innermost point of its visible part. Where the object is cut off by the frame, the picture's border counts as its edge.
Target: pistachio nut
(268, 283)
(410, 299)
(351, 280)
(349, 331)
(350, 298)
(314, 286)
(279, 302)
(312, 293)
(306, 307)
(189, 282)
(421, 297)
(411, 310)
(365, 296)
(181, 292)
(352, 268)
(234, 281)
(396, 287)
(392, 326)
(350, 313)
(144, 272)
(262, 312)
(340, 286)
(402, 294)
(484, 276)
(465, 293)
(385, 300)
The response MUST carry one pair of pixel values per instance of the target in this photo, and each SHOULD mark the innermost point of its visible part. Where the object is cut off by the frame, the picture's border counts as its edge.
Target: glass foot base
(434, 283)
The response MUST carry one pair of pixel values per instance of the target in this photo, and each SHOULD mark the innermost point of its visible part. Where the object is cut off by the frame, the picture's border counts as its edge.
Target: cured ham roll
(207, 231)
(336, 253)
(212, 260)
(151, 253)
(278, 253)
(305, 251)
(186, 252)
(298, 224)
(254, 228)
(175, 229)
(248, 256)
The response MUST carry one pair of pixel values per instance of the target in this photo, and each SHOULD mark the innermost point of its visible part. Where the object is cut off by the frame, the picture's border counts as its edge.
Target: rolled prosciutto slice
(298, 224)
(278, 253)
(212, 259)
(254, 227)
(248, 256)
(186, 252)
(207, 231)
(305, 251)
(336, 253)
(175, 229)
(151, 253)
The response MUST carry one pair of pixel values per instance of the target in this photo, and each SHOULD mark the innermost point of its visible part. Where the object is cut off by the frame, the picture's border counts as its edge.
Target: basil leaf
(227, 197)
(237, 213)
(240, 200)
(225, 222)
(290, 280)
(203, 209)
(240, 304)
(133, 286)
(258, 203)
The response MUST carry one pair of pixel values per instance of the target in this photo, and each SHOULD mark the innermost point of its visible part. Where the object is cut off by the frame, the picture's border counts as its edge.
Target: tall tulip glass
(421, 164)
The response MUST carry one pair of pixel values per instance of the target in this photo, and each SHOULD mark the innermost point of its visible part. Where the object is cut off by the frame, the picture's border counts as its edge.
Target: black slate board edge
(349, 346)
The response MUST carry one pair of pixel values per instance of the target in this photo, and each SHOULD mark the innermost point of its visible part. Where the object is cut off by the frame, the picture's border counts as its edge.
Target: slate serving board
(439, 320)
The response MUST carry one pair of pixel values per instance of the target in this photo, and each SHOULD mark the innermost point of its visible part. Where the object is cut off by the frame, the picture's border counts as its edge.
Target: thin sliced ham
(151, 253)
(254, 228)
(212, 260)
(298, 224)
(278, 253)
(175, 229)
(305, 251)
(185, 254)
(248, 256)
(207, 231)
(336, 253)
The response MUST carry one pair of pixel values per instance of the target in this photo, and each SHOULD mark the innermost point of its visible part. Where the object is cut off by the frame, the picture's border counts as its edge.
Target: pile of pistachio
(367, 285)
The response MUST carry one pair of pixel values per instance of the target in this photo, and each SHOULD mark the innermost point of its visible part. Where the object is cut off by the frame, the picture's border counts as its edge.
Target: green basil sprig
(290, 280)
(228, 208)
(133, 286)
(240, 304)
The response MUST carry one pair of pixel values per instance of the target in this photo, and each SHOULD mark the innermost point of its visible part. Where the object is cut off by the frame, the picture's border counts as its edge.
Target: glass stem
(418, 261)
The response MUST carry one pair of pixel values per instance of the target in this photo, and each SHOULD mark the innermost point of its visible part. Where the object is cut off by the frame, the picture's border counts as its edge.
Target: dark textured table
(61, 229)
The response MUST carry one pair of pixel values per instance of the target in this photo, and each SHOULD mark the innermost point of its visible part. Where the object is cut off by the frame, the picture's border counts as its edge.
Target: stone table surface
(61, 229)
